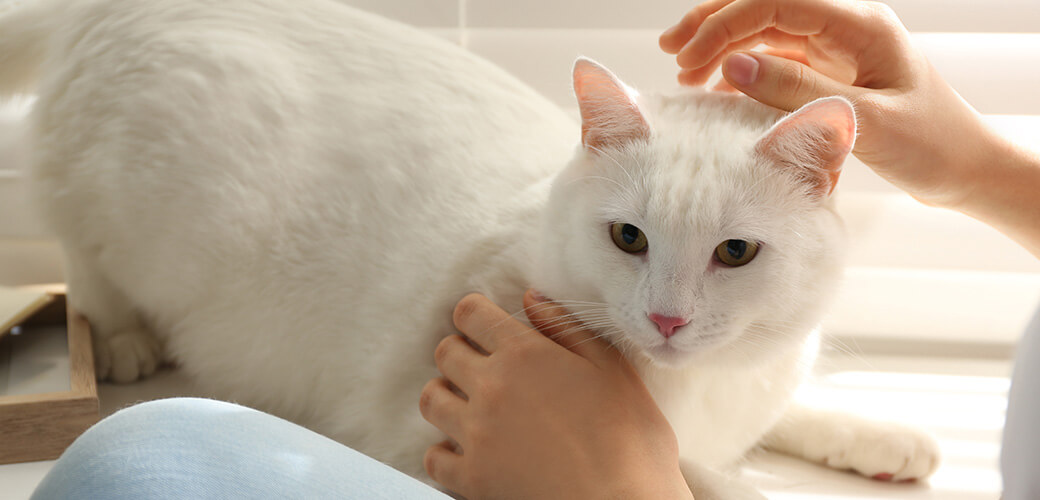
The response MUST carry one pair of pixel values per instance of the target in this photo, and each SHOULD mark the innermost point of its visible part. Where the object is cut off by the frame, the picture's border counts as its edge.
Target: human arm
(544, 419)
(914, 130)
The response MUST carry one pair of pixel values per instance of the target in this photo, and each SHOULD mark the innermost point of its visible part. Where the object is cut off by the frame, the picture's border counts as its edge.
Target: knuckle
(881, 16)
(716, 31)
(870, 105)
(790, 79)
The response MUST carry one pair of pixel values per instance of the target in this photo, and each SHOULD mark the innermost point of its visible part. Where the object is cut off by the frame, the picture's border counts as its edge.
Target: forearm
(1005, 191)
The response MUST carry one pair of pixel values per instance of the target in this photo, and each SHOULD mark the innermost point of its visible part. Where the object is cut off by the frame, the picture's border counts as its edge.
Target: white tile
(426, 13)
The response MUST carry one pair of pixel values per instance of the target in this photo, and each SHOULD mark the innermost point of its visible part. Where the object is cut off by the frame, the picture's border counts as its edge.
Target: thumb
(557, 323)
(780, 82)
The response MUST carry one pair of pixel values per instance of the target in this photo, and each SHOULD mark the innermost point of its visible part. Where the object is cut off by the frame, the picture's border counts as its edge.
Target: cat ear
(815, 140)
(610, 116)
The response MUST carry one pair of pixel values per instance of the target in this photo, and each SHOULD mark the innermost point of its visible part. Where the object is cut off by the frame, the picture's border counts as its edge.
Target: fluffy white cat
(287, 198)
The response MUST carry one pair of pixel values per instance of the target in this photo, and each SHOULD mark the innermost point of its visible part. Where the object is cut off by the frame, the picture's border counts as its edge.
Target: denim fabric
(198, 448)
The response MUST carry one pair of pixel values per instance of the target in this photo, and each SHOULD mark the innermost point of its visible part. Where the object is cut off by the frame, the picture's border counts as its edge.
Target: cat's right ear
(610, 116)
(813, 141)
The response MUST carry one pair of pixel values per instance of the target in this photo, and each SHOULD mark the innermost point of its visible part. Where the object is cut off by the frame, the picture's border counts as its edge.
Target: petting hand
(914, 130)
(543, 419)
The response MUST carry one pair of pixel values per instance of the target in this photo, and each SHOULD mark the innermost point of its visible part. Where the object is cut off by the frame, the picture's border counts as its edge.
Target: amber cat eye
(736, 253)
(628, 237)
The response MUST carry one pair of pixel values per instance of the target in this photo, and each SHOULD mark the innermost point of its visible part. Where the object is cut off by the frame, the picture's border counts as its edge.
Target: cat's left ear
(815, 140)
(610, 116)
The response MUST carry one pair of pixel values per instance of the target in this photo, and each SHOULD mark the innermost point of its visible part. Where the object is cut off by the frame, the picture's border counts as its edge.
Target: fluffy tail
(24, 40)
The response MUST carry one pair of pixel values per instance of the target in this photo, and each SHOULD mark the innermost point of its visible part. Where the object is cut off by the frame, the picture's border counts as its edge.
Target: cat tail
(24, 39)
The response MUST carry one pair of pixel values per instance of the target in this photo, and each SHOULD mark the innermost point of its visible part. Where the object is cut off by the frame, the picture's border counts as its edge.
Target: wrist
(1001, 189)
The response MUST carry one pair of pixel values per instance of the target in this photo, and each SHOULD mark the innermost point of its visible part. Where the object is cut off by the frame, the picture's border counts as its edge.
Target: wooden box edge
(40, 426)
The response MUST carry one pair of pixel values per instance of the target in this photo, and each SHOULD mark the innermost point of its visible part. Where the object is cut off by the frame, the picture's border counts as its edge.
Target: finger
(701, 75)
(485, 323)
(441, 407)
(791, 54)
(458, 361)
(771, 37)
(794, 55)
(780, 82)
(443, 465)
(560, 325)
(723, 86)
(673, 39)
(742, 19)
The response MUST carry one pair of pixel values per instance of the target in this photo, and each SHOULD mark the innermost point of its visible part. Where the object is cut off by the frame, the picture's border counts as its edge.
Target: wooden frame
(40, 426)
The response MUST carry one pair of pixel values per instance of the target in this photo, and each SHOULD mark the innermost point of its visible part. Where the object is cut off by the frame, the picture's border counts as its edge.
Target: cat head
(696, 226)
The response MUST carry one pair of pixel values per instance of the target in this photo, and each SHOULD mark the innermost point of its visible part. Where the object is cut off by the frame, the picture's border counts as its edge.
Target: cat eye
(736, 253)
(628, 237)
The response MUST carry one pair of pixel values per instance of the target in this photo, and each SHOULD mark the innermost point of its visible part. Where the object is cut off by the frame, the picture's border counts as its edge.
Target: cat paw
(125, 356)
(879, 450)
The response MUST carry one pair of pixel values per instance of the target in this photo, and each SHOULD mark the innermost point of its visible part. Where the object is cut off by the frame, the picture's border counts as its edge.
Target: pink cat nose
(667, 324)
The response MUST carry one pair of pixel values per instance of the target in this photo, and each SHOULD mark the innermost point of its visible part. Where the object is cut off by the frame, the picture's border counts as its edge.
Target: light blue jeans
(198, 448)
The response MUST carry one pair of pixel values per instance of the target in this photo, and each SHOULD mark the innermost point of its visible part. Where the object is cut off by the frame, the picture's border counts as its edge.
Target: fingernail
(742, 69)
(670, 31)
(537, 296)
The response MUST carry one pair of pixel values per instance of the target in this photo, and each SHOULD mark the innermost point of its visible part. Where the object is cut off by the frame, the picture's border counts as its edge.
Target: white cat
(289, 198)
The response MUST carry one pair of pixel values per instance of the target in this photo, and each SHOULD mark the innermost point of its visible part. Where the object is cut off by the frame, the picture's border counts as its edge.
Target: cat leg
(706, 484)
(124, 350)
(873, 448)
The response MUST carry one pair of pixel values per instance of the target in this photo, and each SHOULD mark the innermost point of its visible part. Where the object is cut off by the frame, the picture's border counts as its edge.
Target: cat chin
(669, 356)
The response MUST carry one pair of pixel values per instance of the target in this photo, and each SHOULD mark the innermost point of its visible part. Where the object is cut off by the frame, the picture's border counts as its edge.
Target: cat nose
(667, 325)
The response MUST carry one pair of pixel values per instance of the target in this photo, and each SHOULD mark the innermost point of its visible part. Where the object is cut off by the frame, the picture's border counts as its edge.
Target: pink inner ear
(816, 138)
(609, 115)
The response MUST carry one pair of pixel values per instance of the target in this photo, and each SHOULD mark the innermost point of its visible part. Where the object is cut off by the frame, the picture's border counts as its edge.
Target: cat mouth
(668, 353)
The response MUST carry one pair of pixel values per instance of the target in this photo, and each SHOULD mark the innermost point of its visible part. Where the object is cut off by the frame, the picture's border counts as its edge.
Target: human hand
(914, 129)
(544, 419)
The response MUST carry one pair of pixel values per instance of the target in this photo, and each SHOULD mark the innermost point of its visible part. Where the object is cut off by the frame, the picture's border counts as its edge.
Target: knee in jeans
(159, 414)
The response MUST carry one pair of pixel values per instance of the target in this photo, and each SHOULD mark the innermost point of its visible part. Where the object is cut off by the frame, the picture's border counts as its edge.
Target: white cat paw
(125, 356)
(879, 450)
